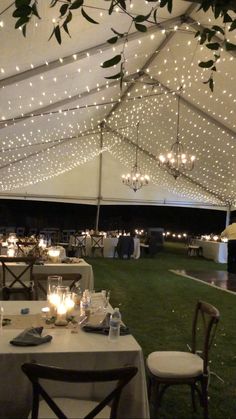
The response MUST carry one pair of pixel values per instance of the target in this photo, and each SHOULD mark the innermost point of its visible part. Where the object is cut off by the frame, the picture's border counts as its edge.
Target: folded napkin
(103, 327)
(31, 337)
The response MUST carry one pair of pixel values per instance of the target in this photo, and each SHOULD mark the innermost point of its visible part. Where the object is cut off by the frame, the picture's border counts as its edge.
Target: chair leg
(193, 397)
(204, 385)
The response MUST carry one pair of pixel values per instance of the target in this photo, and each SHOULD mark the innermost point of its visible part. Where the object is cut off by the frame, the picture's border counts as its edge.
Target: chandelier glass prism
(135, 179)
(177, 160)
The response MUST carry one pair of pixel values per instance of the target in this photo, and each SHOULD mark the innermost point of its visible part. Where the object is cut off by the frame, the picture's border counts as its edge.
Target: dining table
(213, 250)
(110, 244)
(74, 266)
(72, 348)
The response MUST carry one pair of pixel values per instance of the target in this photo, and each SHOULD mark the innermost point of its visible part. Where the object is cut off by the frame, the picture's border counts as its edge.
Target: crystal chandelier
(177, 160)
(135, 179)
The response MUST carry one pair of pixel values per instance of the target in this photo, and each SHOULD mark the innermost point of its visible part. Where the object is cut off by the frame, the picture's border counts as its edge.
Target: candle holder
(54, 254)
(52, 294)
(62, 306)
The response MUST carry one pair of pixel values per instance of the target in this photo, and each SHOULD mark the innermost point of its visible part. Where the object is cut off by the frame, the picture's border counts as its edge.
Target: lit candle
(61, 315)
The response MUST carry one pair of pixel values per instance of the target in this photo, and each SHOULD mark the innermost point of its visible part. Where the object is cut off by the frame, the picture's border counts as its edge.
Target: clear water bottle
(115, 321)
(85, 304)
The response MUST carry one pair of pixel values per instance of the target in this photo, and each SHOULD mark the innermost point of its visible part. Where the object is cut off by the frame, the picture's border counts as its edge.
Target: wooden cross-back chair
(40, 283)
(17, 284)
(97, 243)
(80, 244)
(65, 408)
(167, 368)
(23, 247)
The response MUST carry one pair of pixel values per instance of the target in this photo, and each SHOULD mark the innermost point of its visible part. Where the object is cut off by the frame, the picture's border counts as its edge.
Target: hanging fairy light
(135, 179)
(177, 160)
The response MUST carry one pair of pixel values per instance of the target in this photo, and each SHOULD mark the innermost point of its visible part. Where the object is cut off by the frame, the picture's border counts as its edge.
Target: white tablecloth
(216, 251)
(109, 246)
(86, 270)
(81, 351)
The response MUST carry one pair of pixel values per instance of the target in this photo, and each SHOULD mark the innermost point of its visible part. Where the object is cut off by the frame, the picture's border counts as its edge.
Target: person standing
(230, 234)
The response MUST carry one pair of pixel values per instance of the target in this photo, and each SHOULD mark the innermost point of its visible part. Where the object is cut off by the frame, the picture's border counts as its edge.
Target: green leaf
(213, 68)
(35, 11)
(213, 45)
(58, 34)
(122, 3)
(227, 18)
(117, 33)
(65, 27)
(140, 28)
(206, 64)
(218, 29)
(22, 11)
(211, 84)
(113, 61)
(113, 40)
(232, 26)
(53, 3)
(203, 38)
(142, 18)
(51, 34)
(197, 34)
(76, 4)
(63, 9)
(20, 22)
(24, 30)
(229, 46)
(115, 76)
(217, 11)
(168, 3)
(65, 24)
(88, 18)
(19, 3)
(155, 15)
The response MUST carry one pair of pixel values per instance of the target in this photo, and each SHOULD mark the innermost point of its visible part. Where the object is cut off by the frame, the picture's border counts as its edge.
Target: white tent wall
(80, 185)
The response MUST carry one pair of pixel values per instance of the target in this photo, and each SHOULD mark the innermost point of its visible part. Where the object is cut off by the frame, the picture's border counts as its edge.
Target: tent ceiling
(54, 97)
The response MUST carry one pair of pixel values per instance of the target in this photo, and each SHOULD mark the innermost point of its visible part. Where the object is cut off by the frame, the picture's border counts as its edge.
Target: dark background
(36, 214)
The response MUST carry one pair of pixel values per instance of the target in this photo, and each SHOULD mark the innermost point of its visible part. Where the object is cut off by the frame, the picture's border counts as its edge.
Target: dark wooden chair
(167, 368)
(40, 283)
(66, 407)
(97, 244)
(14, 284)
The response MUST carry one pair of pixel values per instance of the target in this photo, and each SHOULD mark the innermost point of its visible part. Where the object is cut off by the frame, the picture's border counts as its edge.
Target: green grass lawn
(158, 306)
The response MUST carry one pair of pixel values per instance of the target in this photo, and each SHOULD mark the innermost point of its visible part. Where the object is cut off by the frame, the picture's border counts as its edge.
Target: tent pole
(99, 178)
(227, 219)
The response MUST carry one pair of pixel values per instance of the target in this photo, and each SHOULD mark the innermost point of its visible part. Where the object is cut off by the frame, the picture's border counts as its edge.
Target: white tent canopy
(54, 98)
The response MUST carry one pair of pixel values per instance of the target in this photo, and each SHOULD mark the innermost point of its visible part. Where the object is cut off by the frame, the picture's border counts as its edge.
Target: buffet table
(70, 350)
(213, 250)
(81, 267)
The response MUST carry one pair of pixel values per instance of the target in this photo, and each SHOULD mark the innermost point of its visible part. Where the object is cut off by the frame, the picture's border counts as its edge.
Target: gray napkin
(103, 328)
(31, 337)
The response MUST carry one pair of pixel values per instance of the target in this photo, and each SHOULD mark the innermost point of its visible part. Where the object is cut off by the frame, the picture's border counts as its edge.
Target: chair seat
(173, 364)
(72, 408)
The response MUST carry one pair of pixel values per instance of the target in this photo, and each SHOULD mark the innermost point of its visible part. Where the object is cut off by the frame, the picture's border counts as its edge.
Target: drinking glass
(105, 298)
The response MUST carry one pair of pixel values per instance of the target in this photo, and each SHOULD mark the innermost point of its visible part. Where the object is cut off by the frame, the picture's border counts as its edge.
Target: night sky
(36, 214)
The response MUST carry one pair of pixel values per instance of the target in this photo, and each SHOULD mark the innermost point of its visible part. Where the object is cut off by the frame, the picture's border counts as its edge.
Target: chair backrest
(80, 240)
(204, 326)
(40, 282)
(15, 283)
(97, 240)
(35, 372)
(25, 247)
